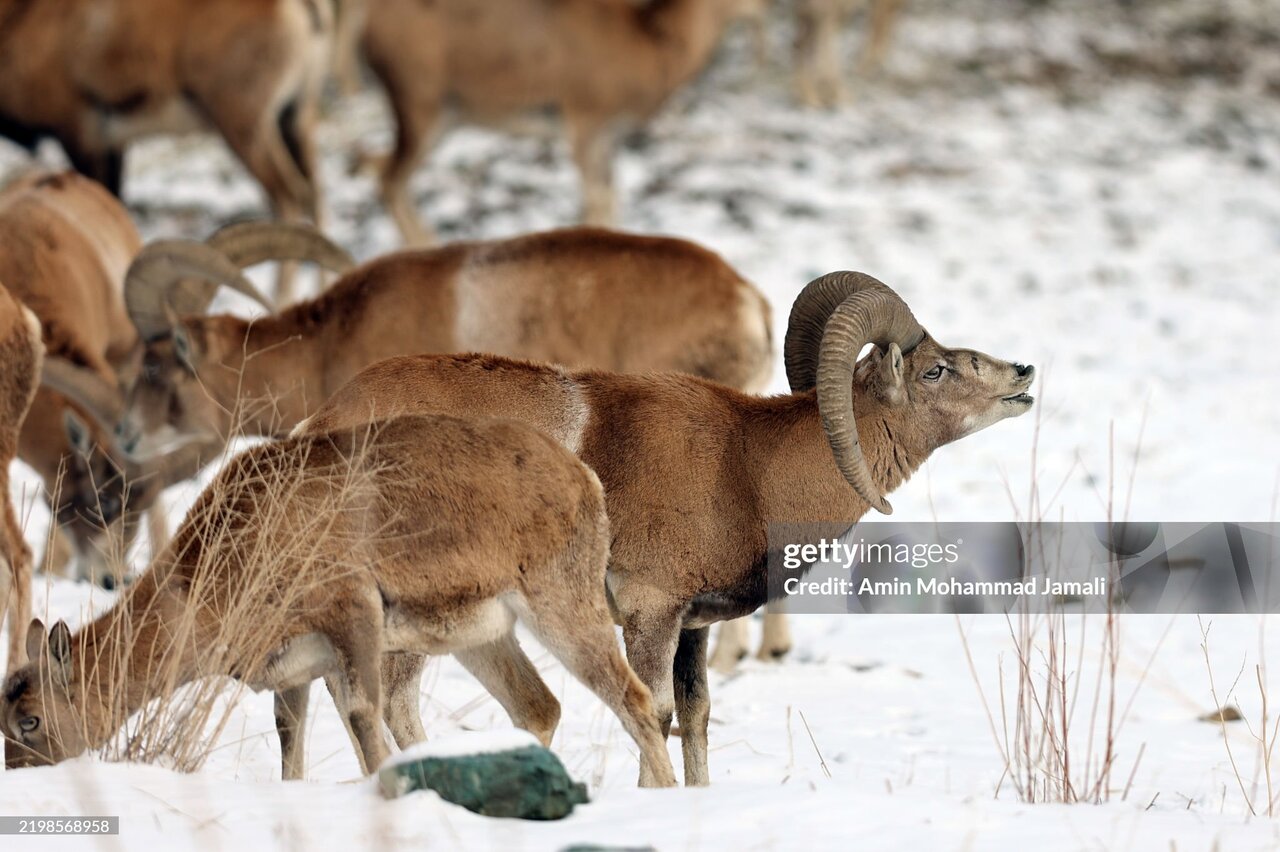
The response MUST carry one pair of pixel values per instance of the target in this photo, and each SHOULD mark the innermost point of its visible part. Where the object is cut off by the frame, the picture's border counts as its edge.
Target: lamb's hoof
(773, 655)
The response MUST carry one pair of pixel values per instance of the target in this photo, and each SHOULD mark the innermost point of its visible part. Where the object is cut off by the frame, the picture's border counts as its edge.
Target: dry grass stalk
(1039, 732)
(254, 540)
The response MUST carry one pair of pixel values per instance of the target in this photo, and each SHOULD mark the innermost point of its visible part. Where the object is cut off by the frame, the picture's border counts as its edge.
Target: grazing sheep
(429, 535)
(695, 472)
(603, 67)
(99, 74)
(584, 297)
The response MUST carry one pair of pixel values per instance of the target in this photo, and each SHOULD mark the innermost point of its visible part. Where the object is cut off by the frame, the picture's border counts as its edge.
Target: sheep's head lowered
(103, 488)
(168, 291)
(943, 394)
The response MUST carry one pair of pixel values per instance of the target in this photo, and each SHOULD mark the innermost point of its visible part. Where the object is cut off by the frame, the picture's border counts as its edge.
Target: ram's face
(950, 393)
(166, 402)
(99, 503)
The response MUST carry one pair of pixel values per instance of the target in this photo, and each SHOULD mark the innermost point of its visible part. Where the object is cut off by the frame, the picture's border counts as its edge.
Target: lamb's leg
(776, 642)
(346, 49)
(731, 645)
(17, 584)
(693, 703)
(401, 678)
(412, 83)
(884, 14)
(584, 641)
(817, 53)
(356, 679)
(593, 146)
(507, 673)
(277, 149)
(291, 725)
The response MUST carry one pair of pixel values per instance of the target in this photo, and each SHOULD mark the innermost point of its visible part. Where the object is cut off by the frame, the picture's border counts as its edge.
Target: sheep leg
(693, 703)
(291, 725)
(267, 155)
(15, 585)
(776, 642)
(104, 165)
(731, 645)
(19, 606)
(817, 52)
(884, 14)
(346, 51)
(585, 642)
(650, 634)
(333, 684)
(593, 147)
(507, 673)
(401, 677)
(416, 105)
(358, 692)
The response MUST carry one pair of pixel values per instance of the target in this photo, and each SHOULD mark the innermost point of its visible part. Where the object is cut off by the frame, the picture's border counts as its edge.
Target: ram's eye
(933, 373)
(29, 724)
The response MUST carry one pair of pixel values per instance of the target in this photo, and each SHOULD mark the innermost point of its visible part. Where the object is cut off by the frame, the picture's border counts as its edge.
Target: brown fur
(464, 527)
(65, 244)
(20, 355)
(98, 74)
(604, 66)
(584, 297)
(694, 473)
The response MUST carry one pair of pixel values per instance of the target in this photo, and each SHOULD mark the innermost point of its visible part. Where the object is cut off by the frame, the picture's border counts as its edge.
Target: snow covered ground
(1094, 193)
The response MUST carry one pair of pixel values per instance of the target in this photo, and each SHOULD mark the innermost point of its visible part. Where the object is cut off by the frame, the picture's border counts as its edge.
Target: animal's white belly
(171, 118)
(299, 662)
(463, 628)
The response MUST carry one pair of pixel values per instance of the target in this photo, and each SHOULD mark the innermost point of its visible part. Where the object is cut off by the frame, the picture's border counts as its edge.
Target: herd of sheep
(607, 459)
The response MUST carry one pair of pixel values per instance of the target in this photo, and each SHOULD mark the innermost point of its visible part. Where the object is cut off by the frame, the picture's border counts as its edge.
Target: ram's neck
(795, 474)
(265, 372)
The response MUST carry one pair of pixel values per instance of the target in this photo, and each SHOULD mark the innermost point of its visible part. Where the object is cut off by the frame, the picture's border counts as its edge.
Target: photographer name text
(928, 586)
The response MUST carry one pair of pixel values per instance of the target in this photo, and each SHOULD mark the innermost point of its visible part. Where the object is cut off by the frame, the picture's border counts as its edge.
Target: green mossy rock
(525, 783)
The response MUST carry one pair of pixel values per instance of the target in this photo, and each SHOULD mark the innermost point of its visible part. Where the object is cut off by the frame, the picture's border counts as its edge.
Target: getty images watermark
(1038, 567)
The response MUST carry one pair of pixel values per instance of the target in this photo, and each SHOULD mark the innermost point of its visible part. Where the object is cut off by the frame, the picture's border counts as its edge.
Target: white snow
(1120, 230)
(462, 745)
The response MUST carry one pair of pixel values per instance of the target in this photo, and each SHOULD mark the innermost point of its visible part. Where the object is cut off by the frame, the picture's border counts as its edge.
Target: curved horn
(85, 388)
(179, 278)
(250, 243)
(833, 318)
(808, 321)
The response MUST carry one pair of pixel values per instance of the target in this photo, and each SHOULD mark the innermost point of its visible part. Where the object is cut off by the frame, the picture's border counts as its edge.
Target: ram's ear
(892, 384)
(35, 640)
(60, 653)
